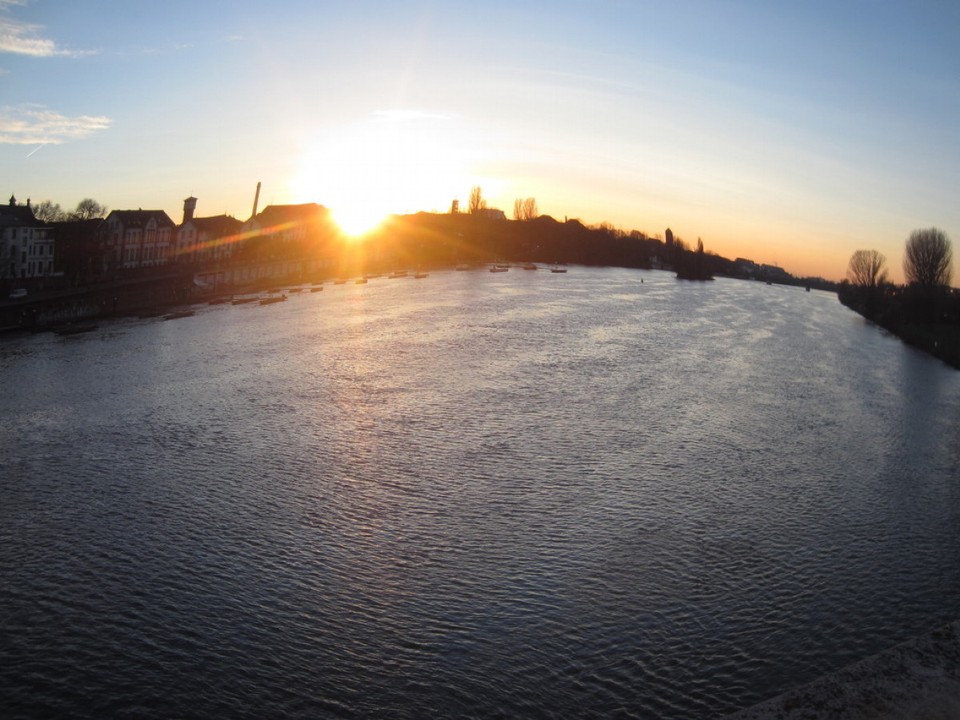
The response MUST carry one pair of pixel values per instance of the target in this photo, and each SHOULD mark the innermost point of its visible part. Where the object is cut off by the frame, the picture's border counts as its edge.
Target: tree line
(924, 311)
(50, 212)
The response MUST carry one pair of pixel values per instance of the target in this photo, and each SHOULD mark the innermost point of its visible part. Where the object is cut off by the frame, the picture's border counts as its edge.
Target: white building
(26, 244)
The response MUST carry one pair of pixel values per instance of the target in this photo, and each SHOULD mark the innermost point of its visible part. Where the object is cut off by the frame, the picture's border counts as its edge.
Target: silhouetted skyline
(790, 134)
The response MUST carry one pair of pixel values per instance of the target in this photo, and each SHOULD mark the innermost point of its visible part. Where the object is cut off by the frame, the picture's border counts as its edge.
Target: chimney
(189, 205)
(256, 200)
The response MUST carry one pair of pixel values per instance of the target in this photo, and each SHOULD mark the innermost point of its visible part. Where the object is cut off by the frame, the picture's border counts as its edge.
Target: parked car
(18, 293)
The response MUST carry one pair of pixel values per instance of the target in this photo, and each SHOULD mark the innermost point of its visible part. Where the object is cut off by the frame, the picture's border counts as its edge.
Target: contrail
(35, 149)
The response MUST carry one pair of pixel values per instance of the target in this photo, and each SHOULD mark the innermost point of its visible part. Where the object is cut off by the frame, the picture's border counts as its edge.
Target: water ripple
(470, 498)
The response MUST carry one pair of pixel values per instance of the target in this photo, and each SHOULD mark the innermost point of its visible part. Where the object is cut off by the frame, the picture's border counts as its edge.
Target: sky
(791, 133)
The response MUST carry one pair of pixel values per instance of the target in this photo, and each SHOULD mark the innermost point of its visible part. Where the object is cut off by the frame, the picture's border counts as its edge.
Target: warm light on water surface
(486, 495)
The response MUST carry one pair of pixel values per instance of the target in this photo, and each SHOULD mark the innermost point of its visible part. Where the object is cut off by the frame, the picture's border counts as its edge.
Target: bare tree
(48, 211)
(477, 203)
(866, 268)
(530, 211)
(927, 258)
(525, 209)
(88, 209)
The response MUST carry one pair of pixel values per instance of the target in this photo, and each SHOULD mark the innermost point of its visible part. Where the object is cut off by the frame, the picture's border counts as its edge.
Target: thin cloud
(22, 38)
(34, 125)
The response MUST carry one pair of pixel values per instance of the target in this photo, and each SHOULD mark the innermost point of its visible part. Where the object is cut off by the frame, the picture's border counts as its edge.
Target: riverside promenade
(916, 680)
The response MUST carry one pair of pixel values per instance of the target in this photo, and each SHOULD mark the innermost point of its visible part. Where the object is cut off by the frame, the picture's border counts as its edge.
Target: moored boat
(272, 299)
(75, 329)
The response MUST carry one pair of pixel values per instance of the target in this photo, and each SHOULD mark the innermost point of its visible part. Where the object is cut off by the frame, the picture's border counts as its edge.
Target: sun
(357, 220)
(390, 163)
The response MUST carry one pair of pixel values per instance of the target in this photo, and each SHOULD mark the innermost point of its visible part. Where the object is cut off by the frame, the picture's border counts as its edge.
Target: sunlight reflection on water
(475, 495)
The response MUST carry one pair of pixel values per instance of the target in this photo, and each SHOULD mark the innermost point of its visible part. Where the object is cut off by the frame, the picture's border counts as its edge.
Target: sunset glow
(788, 135)
(388, 163)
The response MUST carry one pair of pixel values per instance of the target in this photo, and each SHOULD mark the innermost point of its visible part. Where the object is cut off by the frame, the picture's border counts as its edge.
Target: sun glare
(393, 163)
(357, 221)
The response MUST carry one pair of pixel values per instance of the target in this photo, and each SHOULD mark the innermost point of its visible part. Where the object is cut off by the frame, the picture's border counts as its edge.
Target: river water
(600, 494)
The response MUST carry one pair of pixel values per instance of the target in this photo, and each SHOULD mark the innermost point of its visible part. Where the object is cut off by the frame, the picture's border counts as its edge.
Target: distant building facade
(208, 239)
(137, 238)
(80, 255)
(288, 230)
(26, 244)
(492, 214)
(281, 242)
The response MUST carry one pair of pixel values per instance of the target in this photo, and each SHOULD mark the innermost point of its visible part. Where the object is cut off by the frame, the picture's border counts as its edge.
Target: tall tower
(189, 205)
(669, 236)
(256, 201)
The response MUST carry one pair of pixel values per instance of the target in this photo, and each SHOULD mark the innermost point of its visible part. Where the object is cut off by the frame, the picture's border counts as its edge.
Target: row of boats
(502, 267)
(363, 279)
(276, 295)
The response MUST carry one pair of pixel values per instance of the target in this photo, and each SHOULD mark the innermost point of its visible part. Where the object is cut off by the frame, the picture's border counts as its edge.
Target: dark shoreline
(930, 323)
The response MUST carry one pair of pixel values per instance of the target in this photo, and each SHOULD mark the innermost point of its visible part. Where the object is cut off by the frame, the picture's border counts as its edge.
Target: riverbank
(916, 680)
(147, 293)
(927, 322)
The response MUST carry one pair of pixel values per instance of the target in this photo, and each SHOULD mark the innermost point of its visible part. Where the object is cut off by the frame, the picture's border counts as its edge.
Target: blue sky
(792, 133)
